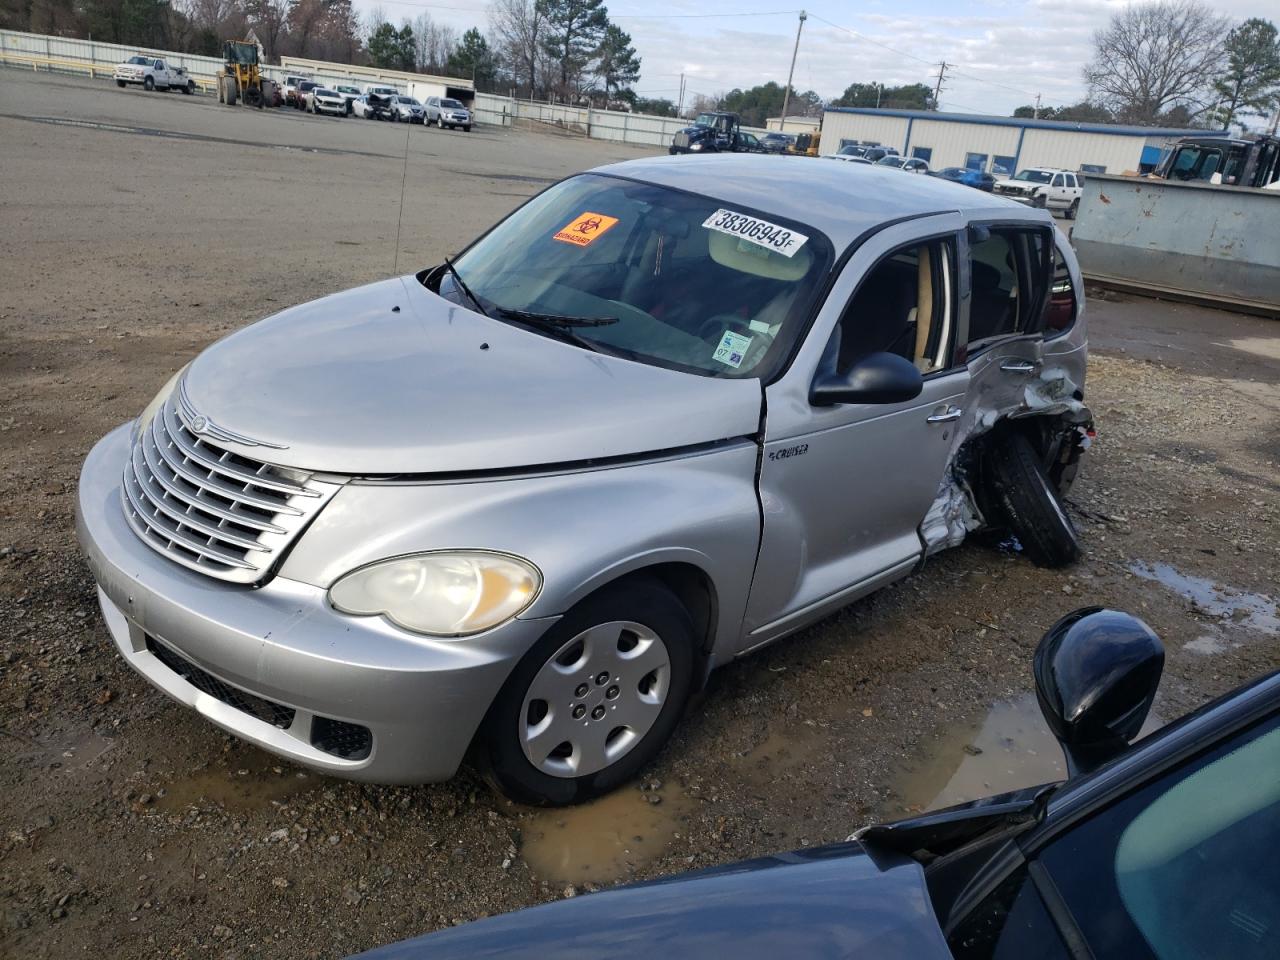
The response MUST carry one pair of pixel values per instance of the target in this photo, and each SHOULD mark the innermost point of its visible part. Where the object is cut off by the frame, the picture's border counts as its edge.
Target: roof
(843, 200)
(1114, 129)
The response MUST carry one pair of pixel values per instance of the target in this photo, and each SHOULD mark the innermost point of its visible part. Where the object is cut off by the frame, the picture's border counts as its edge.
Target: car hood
(1010, 183)
(391, 378)
(832, 902)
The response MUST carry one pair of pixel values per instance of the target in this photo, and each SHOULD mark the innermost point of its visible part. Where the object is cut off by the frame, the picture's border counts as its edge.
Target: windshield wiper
(555, 319)
(457, 278)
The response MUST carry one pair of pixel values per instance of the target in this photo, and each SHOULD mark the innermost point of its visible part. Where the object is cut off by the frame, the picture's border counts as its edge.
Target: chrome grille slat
(197, 500)
(216, 485)
(190, 447)
(175, 535)
(210, 509)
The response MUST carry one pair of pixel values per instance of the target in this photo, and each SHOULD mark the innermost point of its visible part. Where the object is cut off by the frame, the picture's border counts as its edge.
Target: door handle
(947, 415)
(1019, 366)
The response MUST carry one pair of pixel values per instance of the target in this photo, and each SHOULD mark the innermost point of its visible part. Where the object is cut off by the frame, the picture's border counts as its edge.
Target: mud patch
(1253, 611)
(1009, 748)
(250, 786)
(605, 840)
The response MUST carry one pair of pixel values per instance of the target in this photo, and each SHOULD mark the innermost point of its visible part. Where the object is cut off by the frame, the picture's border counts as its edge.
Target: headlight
(444, 594)
(154, 406)
(695, 146)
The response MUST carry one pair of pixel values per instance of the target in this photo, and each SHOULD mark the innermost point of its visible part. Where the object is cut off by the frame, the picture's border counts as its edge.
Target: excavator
(240, 77)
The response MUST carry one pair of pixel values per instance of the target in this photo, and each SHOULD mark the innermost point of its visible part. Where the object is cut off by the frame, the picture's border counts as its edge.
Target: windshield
(409, 101)
(891, 161)
(142, 60)
(1035, 176)
(682, 281)
(454, 104)
(346, 89)
(705, 120)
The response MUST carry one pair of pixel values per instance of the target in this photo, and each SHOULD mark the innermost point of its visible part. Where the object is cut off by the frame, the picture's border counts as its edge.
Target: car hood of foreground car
(391, 378)
(824, 903)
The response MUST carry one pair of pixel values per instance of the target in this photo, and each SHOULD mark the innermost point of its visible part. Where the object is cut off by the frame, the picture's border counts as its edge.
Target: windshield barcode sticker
(760, 232)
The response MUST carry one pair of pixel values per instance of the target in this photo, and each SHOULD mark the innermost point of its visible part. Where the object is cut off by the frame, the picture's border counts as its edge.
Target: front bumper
(420, 699)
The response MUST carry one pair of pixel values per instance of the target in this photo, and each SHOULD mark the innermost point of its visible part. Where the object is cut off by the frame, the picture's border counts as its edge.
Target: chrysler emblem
(202, 426)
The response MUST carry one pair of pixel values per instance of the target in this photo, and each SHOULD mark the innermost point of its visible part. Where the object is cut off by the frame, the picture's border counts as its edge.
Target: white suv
(1044, 187)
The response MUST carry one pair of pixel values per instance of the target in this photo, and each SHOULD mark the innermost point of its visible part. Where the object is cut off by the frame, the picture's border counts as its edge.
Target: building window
(1003, 166)
(975, 161)
(1093, 168)
(922, 153)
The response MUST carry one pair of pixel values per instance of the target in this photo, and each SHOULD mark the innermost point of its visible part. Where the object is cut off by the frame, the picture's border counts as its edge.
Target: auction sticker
(731, 349)
(760, 232)
(583, 230)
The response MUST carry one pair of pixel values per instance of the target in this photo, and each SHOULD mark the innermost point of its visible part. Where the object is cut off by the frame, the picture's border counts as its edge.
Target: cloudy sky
(1000, 53)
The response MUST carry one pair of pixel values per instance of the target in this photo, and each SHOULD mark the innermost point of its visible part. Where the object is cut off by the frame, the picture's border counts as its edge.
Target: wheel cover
(594, 699)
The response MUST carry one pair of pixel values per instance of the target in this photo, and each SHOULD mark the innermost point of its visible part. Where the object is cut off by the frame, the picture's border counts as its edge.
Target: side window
(1008, 281)
(1061, 315)
(904, 305)
(1010, 924)
(1186, 866)
(1057, 180)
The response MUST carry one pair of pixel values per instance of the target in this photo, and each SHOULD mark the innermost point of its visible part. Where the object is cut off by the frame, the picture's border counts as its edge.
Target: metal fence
(37, 51)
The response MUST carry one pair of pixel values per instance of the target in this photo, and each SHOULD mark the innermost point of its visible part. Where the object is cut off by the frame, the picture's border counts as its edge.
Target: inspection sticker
(584, 229)
(732, 348)
(760, 232)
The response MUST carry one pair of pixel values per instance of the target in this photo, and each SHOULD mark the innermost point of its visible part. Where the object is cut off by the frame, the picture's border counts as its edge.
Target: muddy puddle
(605, 840)
(1008, 748)
(1252, 611)
(248, 786)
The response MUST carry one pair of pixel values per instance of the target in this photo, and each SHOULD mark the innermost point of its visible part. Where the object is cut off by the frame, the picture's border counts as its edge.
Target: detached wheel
(1026, 501)
(148, 83)
(594, 700)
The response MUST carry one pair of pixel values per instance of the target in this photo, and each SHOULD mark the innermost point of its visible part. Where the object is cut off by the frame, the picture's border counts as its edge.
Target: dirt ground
(138, 227)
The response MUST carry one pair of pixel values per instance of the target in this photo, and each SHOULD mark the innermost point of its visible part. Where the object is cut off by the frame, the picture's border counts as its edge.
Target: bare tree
(268, 18)
(1154, 56)
(519, 27)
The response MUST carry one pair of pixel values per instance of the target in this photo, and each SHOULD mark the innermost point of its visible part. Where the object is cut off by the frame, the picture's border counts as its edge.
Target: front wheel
(594, 700)
(190, 88)
(1073, 209)
(148, 84)
(467, 128)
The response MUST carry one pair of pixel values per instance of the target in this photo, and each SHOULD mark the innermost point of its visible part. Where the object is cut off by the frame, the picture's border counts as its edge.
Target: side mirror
(876, 378)
(1096, 673)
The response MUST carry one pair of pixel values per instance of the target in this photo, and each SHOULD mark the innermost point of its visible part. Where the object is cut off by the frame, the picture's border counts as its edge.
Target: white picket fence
(36, 51)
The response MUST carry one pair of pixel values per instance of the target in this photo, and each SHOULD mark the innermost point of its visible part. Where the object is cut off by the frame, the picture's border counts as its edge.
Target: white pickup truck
(1044, 187)
(154, 74)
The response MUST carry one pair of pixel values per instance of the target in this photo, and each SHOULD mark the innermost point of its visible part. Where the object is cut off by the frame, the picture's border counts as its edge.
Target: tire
(1025, 500)
(641, 612)
(148, 84)
(120, 83)
(467, 128)
(1039, 201)
(1073, 209)
(190, 88)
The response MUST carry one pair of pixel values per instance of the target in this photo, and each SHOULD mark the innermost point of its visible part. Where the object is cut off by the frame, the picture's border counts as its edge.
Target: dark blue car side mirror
(1096, 673)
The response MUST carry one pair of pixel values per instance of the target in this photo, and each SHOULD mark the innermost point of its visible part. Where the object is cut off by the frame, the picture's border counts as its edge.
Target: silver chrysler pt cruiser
(519, 505)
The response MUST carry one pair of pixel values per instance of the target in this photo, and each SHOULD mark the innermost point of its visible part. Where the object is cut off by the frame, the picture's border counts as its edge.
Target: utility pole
(879, 92)
(1035, 114)
(786, 94)
(680, 102)
(937, 88)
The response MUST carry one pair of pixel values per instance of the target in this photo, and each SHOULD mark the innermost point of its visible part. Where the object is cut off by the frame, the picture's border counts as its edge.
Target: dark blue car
(1162, 850)
(970, 178)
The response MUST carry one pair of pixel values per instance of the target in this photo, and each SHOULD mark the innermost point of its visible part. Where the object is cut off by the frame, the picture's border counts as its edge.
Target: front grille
(209, 509)
(276, 714)
(681, 140)
(348, 741)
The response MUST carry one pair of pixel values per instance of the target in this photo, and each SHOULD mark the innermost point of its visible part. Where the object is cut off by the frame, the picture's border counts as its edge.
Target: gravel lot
(140, 227)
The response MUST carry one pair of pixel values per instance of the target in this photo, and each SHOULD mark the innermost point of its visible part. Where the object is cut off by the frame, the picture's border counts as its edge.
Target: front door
(844, 489)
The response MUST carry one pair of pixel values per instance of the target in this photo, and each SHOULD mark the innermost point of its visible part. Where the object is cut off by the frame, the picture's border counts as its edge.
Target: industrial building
(1000, 145)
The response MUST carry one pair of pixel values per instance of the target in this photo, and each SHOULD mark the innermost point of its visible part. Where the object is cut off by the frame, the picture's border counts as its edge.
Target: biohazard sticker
(583, 230)
(731, 349)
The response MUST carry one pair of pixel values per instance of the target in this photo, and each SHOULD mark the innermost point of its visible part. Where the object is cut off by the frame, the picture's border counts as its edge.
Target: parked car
(970, 178)
(906, 164)
(447, 112)
(1161, 848)
(349, 93)
(324, 100)
(290, 89)
(750, 143)
(1044, 187)
(372, 106)
(496, 577)
(864, 152)
(406, 109)
(776, 142)
(302, 93)
(153, 73)
(848, 158)
(381, 89)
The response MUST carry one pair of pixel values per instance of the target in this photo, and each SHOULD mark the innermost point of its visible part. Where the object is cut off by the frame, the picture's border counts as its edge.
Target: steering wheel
(713, 328)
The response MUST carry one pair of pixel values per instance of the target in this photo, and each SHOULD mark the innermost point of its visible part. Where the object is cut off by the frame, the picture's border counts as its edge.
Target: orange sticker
(581, 231)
